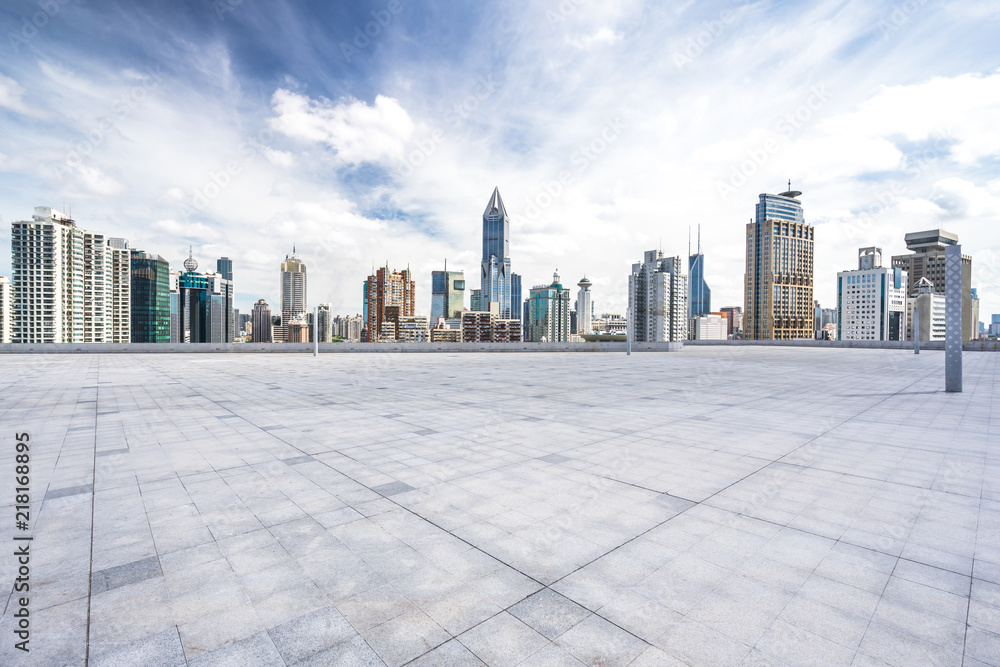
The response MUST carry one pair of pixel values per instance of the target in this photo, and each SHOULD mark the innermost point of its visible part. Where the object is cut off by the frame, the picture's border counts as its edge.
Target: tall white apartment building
(6, 309)
(120, 300)
(657, 299)
(65, 282)
(872, 300)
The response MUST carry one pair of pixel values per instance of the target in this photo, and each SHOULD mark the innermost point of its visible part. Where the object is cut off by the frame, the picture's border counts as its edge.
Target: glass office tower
(499, 284)
(150, 298)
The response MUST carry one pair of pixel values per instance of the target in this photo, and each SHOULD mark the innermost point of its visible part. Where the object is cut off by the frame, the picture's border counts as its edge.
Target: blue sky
(244, 127)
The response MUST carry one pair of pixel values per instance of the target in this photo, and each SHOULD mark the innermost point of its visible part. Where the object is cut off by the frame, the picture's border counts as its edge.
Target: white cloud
(959, 111)
(358, 132)
(11, 97)
(186, 230)
(603, 37)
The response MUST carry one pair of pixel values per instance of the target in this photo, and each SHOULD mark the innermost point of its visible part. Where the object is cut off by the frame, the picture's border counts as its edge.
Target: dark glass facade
(150, 298)
(700, 302)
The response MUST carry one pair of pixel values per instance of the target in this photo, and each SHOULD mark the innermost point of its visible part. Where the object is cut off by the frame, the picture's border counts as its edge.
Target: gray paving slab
(711, 506)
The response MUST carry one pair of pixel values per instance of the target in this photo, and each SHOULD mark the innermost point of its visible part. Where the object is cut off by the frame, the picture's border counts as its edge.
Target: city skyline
(591, 164)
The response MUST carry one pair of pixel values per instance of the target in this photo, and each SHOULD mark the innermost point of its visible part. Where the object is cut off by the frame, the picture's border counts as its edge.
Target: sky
(373, 133)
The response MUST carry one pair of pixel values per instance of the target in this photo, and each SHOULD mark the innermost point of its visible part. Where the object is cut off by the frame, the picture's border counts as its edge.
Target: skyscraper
(447, 294)
(584, 311)
(6, 309)
(293, 286)
(120, 296)
(201, 306)
(657, 299)
(150, 309)
(324, 322)
(389, 295)
(260, 323)
(927, 261)
(68, 284)
(871, 300)
(498, 283)
(700, 301)
(224, 266)
(548, 313)
(779, 271)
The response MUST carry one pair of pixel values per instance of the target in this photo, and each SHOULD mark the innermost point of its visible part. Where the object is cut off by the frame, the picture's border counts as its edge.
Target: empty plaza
(720, 505)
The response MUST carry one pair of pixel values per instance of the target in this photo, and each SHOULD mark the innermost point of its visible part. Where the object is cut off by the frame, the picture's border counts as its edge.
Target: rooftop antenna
(699, 238)
(789, 185)
(689, 240)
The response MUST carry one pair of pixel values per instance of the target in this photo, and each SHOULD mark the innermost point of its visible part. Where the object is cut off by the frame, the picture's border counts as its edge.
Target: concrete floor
(716, 506)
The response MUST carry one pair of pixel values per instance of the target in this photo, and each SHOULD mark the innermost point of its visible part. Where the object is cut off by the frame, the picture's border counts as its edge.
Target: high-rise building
(224, 266)
(927, 261)
(447, 294)
(709, 327)
(120, 298)
(931, 307)
(548, 313)
(734, 320)
(994, 330)
(6, 309)
(488, 327)
(389, 295)
(700, 298)
(293, 286)
(584, 310)
(69, 285)
(476, 300)
(296, 329)
(324, 322)
(974, 323)
(243, 323)
(657, 299)
(498, 283)
(871, 300)
(201, 306)
(779, 271)
(413, 329)
(150, 310)
(260, 324)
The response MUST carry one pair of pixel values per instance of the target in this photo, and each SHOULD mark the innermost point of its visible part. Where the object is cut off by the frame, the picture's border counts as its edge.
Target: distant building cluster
(71, 285)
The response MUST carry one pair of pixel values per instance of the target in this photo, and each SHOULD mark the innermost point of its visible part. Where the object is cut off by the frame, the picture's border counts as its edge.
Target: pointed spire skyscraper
(499, 283)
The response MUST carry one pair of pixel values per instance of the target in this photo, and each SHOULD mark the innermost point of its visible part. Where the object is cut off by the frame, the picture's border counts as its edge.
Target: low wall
(325, 348)
(968, 346)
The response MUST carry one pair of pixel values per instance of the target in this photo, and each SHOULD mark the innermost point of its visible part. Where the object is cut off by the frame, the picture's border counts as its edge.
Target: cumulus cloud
(357, 131)
(959, 112)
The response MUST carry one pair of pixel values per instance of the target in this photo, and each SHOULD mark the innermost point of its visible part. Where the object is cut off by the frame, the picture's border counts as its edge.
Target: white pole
(315, 330)
(628, 331)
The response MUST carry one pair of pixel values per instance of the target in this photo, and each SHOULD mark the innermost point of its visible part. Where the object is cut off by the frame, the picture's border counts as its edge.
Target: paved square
(731, 505)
